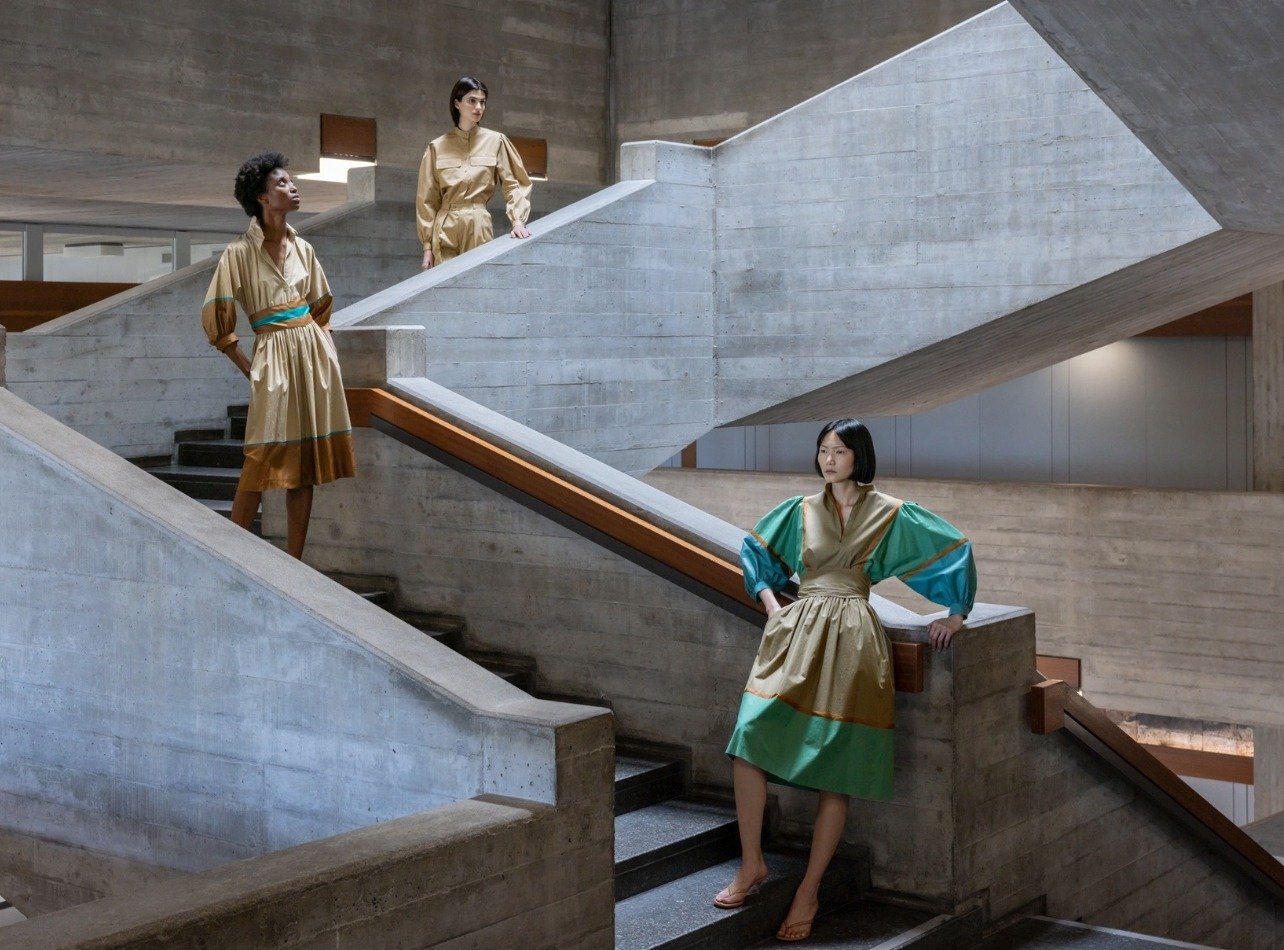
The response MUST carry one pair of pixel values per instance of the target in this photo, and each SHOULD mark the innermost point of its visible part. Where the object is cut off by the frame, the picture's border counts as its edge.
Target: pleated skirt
(818, 710)
(298, 431)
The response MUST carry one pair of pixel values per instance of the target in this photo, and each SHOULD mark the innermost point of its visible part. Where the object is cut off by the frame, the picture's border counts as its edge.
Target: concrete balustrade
(176, 694)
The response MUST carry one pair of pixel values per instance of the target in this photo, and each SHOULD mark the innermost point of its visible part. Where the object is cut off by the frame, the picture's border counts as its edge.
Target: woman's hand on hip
(519, 231)
(768, 598)
(941, 632)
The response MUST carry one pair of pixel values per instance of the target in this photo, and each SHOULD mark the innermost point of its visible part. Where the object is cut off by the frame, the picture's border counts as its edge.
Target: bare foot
(798, 921)
(747, 879)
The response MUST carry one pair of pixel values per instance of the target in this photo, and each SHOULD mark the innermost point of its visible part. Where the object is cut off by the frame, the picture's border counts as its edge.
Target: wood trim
(1140, 765)
(1067, 668)
(534, 153)
(1232, 317)
(707, 143)
(588, 509)
(689, 456)
(1048, 706)
(1196, 763)
(29, 303)
(349, 136)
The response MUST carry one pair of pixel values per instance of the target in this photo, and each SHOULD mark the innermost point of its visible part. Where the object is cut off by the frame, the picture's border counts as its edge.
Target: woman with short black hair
(458, 175)
(817, 710)
(297, 434)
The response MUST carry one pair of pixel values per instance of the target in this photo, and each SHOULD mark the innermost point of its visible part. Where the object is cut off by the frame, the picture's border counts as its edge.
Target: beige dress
(458, 175)
(298, 432)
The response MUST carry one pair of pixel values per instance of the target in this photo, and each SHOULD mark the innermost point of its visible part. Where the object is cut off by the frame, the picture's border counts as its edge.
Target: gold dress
(818, 709)
(458, 175)
(298, 432)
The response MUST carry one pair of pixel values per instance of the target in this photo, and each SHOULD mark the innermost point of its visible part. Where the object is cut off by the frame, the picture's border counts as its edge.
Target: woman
(458, 175)
(817, 710)
(298, 434)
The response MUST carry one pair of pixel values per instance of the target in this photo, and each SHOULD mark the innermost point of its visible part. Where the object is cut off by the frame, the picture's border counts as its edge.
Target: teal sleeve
(930, 555)
(772, 552)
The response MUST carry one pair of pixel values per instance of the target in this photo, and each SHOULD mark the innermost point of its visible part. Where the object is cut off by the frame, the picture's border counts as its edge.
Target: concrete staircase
(206, 464)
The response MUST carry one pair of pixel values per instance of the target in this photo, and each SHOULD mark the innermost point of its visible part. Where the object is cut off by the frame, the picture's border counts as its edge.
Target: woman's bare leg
(298, 510)
(244, 507)
(751, 801)
(831, 819)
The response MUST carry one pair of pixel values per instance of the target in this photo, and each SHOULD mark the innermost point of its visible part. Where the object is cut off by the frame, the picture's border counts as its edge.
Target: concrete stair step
(516, 670)
(663, 842)
(212, 453)
(224, 507)
(446, 629)
(236, 416)
(1045, 933)
(869, 924)
(641, 781)
(199, 435)
(680, 915)
(199, 481)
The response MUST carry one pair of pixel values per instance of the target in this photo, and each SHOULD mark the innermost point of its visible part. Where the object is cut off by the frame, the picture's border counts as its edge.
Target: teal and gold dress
(817, 711)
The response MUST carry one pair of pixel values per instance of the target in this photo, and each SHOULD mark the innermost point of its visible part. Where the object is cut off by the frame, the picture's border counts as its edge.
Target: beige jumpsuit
(458, 175)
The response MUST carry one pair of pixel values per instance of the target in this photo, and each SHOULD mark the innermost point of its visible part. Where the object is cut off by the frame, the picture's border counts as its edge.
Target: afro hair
(251, 180)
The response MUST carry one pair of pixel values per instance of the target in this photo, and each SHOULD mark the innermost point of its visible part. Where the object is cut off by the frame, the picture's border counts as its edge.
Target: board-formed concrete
(178, 693)
(967, 212)
(1170, 598)
(131, 370)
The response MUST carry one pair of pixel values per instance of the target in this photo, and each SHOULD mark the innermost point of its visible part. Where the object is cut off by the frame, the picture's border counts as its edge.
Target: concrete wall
(131, 370)
(873, 248)
(984, 811)
(700, 69)
(597, 331)
(186, 84)
(482, 873)
(1169, 412)
(1170, 598)
(178, 694)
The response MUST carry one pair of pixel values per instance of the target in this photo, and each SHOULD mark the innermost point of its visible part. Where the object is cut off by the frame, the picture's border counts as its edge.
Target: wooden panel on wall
(349, 136)
(534, 153)
(28, 303)
(1066, 668)
(1230, 318)
(1196, 763)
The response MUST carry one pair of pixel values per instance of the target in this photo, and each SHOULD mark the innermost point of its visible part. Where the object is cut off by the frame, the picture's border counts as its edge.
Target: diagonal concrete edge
(1165, 287)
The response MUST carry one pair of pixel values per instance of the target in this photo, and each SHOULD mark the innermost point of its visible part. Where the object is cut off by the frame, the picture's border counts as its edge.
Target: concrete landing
(1269, 833)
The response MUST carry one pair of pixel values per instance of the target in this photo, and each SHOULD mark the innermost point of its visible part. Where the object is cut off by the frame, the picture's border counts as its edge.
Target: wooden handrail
(1095, 729)
(703, 572)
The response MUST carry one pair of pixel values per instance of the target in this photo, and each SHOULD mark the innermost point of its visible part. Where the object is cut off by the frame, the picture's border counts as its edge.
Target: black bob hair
(463, 87)
(856, 437)
(251, 180)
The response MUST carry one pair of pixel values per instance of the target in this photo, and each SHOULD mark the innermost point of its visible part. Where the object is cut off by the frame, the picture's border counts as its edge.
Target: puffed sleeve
(428, 197)
(218, 315)
(318, 296)
(772, 552)
(517, 184)
(930, 555)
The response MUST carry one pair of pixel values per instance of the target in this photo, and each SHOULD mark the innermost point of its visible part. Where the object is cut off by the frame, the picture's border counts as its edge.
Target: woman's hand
(768, 598)
(427, 259)
(941, 632)
(519, 231)
(236, 356)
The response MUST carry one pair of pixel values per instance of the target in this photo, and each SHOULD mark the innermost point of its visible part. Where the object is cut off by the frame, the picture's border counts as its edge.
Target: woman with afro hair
(298, 434)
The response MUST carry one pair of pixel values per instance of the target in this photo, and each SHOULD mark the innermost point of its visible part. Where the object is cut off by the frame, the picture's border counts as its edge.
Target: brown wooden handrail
(603, 519)
(1095, 729)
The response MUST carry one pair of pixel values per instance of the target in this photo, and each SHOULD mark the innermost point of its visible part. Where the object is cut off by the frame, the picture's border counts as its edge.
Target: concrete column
(33, 252)
(182, 250)
(1268, 771)
(1268, 389)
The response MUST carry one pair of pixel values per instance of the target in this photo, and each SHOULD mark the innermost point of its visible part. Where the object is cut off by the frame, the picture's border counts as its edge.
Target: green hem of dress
(813, 752)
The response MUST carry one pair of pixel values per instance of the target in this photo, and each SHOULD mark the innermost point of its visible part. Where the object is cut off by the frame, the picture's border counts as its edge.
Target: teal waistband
(281, 316)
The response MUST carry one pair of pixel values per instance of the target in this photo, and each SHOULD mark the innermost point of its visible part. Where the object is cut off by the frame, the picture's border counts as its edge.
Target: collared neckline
(255, 232)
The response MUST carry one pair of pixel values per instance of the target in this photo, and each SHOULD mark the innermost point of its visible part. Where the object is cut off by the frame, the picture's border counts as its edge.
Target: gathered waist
(295, 314)
(464, 204)
(837, 583)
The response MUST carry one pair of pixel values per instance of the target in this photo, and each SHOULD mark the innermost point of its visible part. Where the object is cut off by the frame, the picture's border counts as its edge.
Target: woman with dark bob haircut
(459, 173)
(817, 710)
(297, 434)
